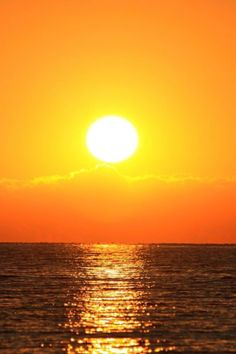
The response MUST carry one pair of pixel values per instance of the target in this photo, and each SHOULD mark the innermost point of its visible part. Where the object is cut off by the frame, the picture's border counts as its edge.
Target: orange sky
(169, 67)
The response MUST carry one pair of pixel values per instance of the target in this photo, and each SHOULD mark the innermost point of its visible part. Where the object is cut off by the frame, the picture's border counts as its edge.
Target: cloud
(55, 179)
(101, 205)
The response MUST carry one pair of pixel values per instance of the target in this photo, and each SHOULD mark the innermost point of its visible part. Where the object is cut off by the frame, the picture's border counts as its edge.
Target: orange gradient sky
(169, 67)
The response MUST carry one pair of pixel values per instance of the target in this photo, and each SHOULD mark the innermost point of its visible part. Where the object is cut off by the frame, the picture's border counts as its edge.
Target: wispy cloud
(104, 203)
(108, 169)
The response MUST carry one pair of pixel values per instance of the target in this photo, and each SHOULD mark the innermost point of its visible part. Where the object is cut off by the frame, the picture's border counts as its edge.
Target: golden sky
(169, 67)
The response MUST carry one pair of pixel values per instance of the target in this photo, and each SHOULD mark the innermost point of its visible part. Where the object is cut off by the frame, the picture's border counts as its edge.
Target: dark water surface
(99, 299)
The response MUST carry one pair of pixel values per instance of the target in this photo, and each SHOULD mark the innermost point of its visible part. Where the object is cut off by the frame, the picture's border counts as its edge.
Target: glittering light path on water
(110, 314)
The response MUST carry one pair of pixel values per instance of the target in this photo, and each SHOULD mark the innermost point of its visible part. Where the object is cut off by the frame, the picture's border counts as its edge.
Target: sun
(112, 139)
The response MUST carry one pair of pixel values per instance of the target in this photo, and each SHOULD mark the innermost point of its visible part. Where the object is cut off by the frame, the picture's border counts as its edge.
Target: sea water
(117, 298)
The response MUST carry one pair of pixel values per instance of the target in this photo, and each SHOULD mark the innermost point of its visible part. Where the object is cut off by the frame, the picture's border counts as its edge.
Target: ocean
(117, 298)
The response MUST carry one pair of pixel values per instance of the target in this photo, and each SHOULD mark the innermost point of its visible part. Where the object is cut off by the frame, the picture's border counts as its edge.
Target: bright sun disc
(112, 139)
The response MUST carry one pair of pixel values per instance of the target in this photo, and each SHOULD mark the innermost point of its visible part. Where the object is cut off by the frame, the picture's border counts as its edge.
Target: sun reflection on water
(106, 314)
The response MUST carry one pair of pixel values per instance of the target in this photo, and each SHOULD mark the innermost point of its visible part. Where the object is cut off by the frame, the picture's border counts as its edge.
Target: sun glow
(112, 139)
